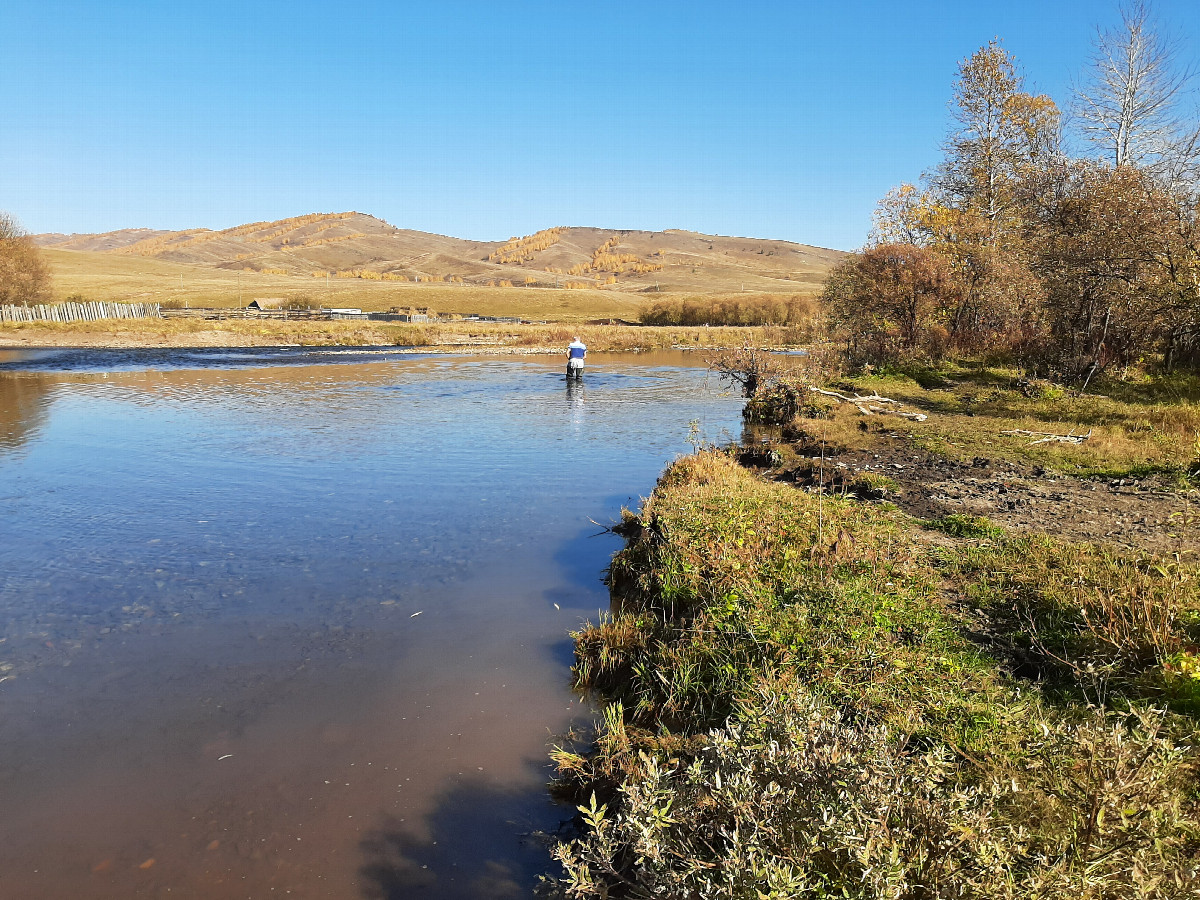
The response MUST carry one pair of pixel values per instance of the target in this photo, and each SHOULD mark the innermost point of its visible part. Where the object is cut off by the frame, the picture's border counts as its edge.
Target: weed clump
(795, 798)
(966, 526)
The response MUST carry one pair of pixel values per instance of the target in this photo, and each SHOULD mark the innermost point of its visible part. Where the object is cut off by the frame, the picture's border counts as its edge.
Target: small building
(268, 303)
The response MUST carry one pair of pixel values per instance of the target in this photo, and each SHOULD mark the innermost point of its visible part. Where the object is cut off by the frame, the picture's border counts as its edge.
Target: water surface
(297, 621)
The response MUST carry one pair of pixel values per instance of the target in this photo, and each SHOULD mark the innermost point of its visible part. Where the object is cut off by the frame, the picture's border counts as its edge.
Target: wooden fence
(88, 311)
(237, 312)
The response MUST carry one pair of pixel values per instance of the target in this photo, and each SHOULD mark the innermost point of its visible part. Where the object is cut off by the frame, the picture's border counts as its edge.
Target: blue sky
(485, 120)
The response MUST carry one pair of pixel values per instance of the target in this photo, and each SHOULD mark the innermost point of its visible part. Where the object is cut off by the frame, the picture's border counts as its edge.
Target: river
(283, 621)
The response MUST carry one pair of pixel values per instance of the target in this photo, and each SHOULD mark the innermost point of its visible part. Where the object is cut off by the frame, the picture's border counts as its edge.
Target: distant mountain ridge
(354, 244)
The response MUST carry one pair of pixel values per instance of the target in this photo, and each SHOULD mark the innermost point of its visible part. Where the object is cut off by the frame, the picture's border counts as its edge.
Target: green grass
(810, 700)
(966, 526)
(1097, 623)
(1137, 428)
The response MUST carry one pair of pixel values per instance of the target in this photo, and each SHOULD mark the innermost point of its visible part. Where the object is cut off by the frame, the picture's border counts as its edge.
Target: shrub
(24, 276)
(797, 799)
(751, 309)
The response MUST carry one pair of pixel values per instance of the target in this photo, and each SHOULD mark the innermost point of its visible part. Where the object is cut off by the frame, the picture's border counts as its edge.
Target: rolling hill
(353, 245)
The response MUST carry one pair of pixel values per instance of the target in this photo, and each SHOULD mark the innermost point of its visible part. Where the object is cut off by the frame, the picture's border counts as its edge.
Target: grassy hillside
(354, 255)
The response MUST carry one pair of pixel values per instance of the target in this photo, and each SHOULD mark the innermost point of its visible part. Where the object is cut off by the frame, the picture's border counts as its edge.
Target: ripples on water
(324, 563)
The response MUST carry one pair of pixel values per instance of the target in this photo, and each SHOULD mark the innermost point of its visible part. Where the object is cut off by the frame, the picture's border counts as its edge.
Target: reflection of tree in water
(23, 403)
(484, 843)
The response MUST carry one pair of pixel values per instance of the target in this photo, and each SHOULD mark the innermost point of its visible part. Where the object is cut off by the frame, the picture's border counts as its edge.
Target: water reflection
(23, 402)
(254, 609)
(576, 392)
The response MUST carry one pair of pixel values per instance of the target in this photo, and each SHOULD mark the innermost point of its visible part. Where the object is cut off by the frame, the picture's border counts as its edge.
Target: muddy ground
(1139, 514)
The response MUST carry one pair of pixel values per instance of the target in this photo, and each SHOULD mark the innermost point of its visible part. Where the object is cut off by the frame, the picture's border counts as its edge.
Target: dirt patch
(1139, 514)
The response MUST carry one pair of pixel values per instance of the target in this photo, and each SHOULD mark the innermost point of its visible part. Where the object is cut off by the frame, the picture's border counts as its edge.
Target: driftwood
(1046, 437)
(866, 405)
(856, 399)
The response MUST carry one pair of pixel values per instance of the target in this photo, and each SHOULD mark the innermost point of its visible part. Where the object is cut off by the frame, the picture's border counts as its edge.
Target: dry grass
(123, 278)
(970, 409)
(478, 335)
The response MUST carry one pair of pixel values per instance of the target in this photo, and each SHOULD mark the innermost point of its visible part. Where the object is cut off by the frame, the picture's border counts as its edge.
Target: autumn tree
(1181, 264)
(1106, 240)
(1000, 132)
(973, 210)
(891, 302)
(24, 277)
(1072, 265)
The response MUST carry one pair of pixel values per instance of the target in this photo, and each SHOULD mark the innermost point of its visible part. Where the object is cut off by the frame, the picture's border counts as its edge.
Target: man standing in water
(576, 351)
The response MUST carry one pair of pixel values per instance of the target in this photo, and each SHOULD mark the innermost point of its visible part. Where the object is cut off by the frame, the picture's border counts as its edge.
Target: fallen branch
(1045, 437)
(865, 404)
(856, 399)
(916, 417)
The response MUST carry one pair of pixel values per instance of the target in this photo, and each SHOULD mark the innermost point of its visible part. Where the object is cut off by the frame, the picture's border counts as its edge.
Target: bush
(798, 800)
(887, 303)
(24, 276)
(751, 309)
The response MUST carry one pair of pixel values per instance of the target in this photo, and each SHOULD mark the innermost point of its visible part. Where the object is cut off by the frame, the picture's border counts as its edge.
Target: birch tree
(1129, 105)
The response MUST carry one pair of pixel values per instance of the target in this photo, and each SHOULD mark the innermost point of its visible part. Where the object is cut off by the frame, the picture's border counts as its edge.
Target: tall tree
(24, 277)
(1000, 131)
(1129, 102)
(974, 212)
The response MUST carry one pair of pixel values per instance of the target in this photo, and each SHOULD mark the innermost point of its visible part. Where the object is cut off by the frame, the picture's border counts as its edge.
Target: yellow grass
(123, 278)
(496, 337)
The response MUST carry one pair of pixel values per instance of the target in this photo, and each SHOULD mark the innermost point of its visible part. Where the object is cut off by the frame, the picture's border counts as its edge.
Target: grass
(1135, 429)
(122, 278)
(808, 699)
(1097, 622)
(478, 335)
(966, 526)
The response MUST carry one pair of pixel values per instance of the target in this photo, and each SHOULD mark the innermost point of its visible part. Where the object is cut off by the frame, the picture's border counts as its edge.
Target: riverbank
(907, 658)
(477, 336)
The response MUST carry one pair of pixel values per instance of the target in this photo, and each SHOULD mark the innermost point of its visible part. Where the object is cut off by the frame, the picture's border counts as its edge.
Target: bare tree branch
(1128, 104)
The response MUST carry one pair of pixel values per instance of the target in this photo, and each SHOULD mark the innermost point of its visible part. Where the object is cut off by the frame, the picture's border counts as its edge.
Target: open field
(131, 279)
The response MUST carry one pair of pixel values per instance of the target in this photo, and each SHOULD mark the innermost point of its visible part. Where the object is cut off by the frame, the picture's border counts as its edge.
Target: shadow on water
(24, 400)
(481, 843)
(583, 560)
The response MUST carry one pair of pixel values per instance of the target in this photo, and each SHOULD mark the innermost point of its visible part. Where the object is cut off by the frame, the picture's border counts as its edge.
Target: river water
(297, 621)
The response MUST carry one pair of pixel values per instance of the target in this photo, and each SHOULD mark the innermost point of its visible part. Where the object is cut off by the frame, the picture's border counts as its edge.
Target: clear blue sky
(485, 120)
